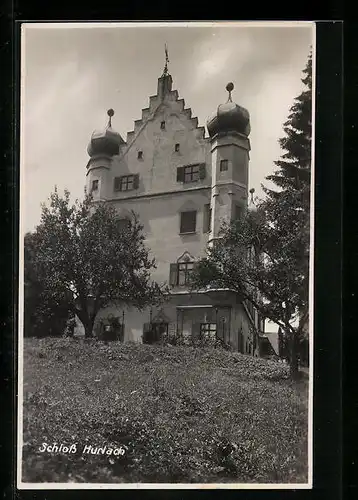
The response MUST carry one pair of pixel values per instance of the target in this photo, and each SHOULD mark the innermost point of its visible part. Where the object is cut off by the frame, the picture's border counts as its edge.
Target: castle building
(182, 184)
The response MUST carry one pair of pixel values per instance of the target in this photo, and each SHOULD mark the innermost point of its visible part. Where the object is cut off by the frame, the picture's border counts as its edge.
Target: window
(140, 155)
(94, 185)
(162, 125)
(184, 271)
(224, 165)
(207, 218)
(177, 147)
(191, 173)
(188, 222)
(126, 182)
(180, 273)
(208, 331)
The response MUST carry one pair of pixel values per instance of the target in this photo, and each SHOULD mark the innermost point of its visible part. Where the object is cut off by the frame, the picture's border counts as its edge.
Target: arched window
(180, 271)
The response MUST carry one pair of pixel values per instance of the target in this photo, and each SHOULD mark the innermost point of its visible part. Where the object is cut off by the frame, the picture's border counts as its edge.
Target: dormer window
(162, 125)
(140, 155)
(94, 185)
(177, 147)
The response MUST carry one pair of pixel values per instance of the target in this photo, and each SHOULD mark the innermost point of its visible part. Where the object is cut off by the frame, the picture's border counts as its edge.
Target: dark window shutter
(207, 217)
(202, 171)
(180, 174)
(117, 183)
(173, 274)
(195, 269)
(196, 266)
(136, 181)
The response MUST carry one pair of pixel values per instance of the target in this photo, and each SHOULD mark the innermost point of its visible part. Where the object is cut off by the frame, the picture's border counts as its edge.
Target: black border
(328, 271)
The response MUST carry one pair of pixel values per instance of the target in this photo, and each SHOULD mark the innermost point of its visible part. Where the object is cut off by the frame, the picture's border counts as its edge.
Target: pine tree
(287, 207)
(294, 172)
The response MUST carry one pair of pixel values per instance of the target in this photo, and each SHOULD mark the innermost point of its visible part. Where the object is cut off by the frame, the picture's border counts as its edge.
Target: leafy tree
(88, 255)
(43, 314)
(265, 255)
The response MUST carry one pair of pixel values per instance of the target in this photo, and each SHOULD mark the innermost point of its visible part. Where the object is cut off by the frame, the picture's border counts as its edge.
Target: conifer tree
(287, 205)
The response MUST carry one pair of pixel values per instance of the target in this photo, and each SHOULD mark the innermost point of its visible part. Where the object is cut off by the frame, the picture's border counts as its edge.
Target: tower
(228, 128)
(103, 146)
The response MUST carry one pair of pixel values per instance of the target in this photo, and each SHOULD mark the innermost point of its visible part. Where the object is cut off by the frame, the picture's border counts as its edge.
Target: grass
(184, 414)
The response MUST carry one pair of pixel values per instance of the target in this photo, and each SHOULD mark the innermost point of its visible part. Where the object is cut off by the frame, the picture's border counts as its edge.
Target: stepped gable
(155, 103)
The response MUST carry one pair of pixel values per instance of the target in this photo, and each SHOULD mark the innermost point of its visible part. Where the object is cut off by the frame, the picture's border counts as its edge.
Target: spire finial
(229, 88)
(165, 71)
(110, 113)
(252, 190)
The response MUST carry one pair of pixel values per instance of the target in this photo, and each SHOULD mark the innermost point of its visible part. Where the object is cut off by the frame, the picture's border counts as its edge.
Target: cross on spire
(165, 71)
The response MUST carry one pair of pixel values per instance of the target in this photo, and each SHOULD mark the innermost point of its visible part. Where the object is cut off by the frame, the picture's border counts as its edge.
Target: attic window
(162, 125)
(177, 147)
(140, 155)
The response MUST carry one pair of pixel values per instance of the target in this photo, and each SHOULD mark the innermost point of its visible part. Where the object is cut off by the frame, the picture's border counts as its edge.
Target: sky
(71, 75)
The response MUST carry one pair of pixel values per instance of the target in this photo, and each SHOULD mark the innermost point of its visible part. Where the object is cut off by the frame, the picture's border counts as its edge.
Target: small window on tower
(224, 165)
(162, 125)
(177, 148)
(94, 185)
(140, 155)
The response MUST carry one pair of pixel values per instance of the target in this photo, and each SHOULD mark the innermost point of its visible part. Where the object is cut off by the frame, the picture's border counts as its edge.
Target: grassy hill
(180, 414)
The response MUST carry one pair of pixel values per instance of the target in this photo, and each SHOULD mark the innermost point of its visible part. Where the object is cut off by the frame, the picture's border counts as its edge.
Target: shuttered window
(180, 273)
(188, 222)
(126, 182)
(191, 173)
